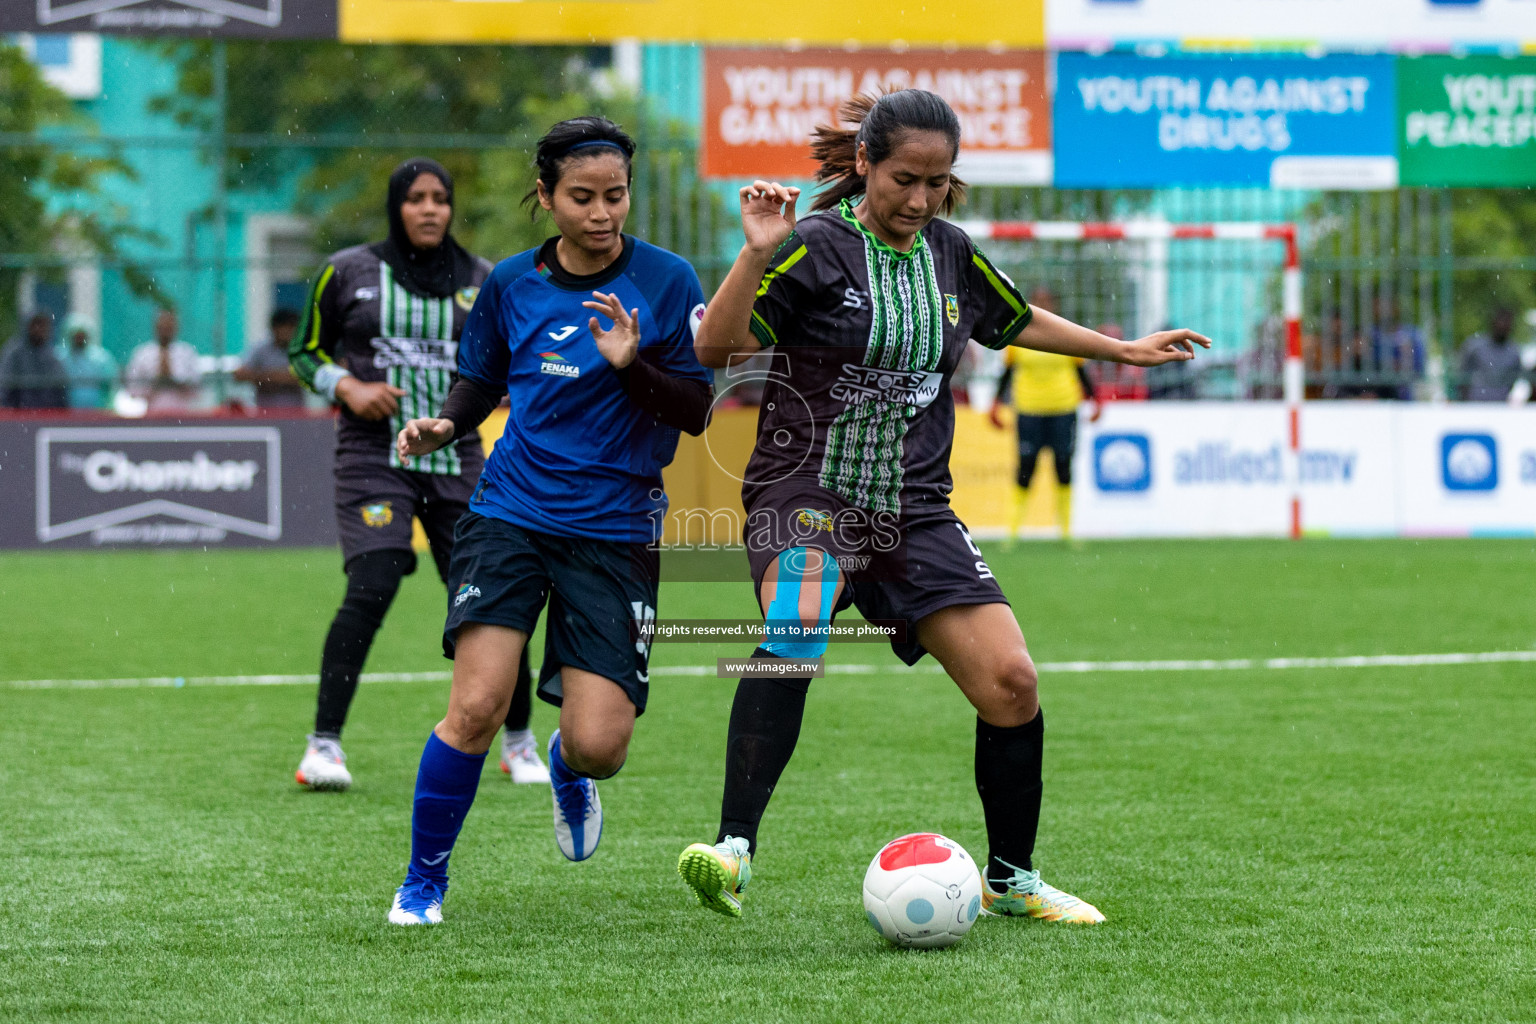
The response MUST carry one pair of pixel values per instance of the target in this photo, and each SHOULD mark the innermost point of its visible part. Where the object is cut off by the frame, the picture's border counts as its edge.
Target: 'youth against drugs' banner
(1122, 121)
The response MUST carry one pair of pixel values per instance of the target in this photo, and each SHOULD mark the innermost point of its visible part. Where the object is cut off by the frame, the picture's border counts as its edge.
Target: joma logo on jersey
(860, 383)
(562, 333)
(557, 365)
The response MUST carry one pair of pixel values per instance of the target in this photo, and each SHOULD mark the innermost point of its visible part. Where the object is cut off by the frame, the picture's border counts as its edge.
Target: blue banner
(1123, 121)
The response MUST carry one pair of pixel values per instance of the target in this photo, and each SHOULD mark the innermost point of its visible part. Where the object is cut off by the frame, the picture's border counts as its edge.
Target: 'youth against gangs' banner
(760, 107)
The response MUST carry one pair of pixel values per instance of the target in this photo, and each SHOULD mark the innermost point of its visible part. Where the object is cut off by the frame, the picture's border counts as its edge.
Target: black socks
(1008, 781)
(522, 697)
(765, 725)
(373, 579)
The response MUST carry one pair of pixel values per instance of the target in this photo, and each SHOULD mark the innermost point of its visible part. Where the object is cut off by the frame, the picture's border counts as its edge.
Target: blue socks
(445, 789)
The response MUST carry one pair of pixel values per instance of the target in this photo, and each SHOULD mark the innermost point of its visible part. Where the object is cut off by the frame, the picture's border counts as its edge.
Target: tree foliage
(50, 203)
(1492, 232)
(325, 113)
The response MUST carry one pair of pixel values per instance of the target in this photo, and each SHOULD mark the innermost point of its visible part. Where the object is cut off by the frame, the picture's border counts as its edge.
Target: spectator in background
(266, 366)
(1397, 350)
(31, 376)
(92, 370)
(164, 371)
(1490, 360)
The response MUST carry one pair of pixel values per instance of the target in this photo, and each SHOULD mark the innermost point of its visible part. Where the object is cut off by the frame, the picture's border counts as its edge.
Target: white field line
(1046, 667)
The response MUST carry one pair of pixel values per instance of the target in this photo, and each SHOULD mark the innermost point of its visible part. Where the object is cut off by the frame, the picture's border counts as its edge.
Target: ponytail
(879, 124)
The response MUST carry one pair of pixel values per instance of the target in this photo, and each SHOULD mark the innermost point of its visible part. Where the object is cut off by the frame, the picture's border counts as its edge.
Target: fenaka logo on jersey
(1122, 463)
(378, 515)
(557, 365)
(859, 384)
(464, 593)
(952, 310)
(465, 297)
(1469, 462)
(158, 485)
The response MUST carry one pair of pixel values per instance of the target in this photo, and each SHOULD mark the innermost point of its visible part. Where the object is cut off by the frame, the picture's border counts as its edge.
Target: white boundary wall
(1214, 469)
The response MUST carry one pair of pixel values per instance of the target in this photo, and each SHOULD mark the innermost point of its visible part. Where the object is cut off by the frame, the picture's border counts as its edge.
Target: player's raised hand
(621, 342)
(1164, 347)
(767, 214)
(422, 437)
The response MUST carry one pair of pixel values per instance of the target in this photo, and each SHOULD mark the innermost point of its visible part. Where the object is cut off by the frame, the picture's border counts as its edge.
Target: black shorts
(901, 568)
(375, 504)
(599, 591)
(1058, 433)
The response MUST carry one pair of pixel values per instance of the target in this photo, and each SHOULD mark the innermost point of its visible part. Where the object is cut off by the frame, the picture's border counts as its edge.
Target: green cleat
(717, 874)
(1025, 895)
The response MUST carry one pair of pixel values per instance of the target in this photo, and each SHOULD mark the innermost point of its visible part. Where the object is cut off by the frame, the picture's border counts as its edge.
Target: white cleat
(417, 903)
(520, 759)
(324, 766)
(578, 811)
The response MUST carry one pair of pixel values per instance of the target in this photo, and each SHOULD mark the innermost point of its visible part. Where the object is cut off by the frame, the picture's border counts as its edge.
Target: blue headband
(596, 142)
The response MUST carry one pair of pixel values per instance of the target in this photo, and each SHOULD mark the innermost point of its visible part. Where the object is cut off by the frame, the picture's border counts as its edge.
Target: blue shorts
(598, 591)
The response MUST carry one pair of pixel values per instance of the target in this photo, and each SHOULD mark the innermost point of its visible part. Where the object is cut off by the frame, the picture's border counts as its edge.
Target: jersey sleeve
(1001, 313)
(312, 352)
(786, 290)
(484, 354)
(675, 356)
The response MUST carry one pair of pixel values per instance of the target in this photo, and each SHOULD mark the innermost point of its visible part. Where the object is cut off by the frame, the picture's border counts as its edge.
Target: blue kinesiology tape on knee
(785, 635)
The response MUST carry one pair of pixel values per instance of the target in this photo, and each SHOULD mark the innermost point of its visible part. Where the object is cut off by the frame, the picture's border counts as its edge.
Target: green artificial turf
(1321, 844)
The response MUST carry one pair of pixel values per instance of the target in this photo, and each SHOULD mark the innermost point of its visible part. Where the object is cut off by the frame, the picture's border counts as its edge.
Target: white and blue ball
(922, 891)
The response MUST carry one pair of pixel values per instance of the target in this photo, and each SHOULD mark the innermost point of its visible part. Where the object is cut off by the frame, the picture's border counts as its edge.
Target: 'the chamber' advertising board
(761, 106)
(1468, 121)
(1284, 122)
(147, 484)
(314, 19)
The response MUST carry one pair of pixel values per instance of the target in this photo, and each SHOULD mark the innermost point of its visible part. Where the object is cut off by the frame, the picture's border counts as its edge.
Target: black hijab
(437, 272)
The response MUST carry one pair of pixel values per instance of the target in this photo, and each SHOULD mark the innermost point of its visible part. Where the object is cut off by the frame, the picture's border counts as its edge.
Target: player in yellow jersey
(1045, 391)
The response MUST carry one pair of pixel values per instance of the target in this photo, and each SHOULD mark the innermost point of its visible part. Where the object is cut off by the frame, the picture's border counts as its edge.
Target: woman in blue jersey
(591, 334)
(868, 306)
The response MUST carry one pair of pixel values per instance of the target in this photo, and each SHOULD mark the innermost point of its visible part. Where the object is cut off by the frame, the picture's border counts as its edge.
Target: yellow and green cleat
(717, 874)
(1025, 895)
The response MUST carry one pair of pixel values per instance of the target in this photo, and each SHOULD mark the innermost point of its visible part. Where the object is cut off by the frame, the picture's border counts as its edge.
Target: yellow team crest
(465, 297)
(952, 310)
(815, 519)
(378, 514)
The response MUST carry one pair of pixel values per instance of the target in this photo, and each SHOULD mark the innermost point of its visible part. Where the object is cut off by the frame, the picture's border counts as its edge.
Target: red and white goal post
(1152, 230)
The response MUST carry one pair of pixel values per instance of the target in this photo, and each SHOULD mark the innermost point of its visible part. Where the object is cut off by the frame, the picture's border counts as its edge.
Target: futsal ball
(922, 891)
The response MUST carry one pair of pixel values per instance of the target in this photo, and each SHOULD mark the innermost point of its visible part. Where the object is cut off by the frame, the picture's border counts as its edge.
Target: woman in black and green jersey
(867, 306)
(380, 339)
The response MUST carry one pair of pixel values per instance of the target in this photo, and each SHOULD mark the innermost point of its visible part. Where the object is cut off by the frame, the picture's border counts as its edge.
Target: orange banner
(760, 107)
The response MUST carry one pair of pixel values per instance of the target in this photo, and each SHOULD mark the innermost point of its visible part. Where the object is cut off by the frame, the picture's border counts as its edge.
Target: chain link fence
(228, 226)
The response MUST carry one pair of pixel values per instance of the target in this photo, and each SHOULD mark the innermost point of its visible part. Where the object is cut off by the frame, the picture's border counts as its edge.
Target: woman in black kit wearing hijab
(380, 339)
